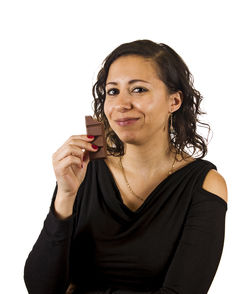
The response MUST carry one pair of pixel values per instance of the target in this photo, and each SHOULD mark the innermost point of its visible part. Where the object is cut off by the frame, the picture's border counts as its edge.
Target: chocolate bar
(95, 128)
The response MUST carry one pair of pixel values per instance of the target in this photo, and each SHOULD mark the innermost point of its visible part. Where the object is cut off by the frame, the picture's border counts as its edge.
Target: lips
(126, 119)
(127, 122)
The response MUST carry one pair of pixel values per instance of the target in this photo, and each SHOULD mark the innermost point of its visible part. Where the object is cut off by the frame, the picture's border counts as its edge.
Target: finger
(70, 150)
(82, 144)
(61, 167)
(76, 146)
(80, 137)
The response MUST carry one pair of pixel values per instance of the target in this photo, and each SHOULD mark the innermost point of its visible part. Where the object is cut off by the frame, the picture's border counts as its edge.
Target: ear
(176, 100)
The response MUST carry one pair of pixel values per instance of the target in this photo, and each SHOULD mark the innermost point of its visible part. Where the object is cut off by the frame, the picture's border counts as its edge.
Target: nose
(123, 100)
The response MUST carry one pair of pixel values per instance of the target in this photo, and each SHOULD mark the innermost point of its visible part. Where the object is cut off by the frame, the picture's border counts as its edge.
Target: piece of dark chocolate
(96, 128)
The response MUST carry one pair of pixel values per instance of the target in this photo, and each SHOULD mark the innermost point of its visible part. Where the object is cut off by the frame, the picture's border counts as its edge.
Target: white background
(50, 53)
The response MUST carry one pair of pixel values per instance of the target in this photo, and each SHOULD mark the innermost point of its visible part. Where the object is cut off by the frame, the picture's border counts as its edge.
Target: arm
(47, 266)
(200, 248)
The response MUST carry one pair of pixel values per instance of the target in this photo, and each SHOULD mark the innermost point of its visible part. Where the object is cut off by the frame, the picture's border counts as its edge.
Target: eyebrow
(130, 82)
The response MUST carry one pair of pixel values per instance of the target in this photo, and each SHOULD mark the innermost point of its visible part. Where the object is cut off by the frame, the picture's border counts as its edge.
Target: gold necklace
(169, 173)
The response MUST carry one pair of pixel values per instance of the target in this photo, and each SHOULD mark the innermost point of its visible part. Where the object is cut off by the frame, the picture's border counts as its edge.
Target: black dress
(172, 244)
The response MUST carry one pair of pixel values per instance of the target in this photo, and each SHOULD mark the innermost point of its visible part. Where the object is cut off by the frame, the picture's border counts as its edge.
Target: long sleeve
(47, 266)
(199, 251)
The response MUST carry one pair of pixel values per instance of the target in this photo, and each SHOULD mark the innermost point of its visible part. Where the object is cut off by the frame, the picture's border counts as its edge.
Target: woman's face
(147, 99)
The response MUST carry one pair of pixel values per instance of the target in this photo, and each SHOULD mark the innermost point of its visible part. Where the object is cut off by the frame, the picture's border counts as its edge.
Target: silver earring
(171, 130)
(171, 123)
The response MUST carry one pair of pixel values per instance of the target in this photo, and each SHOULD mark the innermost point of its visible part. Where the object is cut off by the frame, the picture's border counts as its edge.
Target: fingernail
(90, 137)
(94, 146)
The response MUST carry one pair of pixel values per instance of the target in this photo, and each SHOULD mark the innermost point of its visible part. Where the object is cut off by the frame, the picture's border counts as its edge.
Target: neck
(148, 159)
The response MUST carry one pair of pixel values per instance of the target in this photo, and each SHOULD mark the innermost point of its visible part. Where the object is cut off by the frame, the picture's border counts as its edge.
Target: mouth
(127, 122)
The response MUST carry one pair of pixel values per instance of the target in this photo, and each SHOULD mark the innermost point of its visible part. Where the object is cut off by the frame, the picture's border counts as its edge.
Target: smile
(127, 122)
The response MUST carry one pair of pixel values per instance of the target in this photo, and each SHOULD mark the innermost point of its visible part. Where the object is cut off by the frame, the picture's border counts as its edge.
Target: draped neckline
(166, 179)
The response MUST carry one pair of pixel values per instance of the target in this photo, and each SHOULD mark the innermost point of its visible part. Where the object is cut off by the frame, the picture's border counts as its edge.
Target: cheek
(107, 108)
(147, 107)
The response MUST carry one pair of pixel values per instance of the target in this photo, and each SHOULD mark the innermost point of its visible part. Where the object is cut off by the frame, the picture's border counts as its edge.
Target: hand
(70, 164)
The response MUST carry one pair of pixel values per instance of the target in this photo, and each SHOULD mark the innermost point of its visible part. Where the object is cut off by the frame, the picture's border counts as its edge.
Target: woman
(148, 218)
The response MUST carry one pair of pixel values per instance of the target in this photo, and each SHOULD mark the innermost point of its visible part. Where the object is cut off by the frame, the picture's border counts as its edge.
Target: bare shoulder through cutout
(216, 184)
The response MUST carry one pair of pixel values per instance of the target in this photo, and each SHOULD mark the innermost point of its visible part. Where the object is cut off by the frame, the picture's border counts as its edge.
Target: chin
(129, 139)
(127, 136)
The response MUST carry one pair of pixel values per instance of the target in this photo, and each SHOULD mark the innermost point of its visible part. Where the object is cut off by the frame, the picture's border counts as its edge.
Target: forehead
(132, 66)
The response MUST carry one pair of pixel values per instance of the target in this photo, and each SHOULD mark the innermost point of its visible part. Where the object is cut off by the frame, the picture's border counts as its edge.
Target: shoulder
(216, 184)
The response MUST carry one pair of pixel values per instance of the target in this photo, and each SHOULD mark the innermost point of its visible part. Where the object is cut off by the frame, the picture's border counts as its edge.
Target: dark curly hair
(173, 71)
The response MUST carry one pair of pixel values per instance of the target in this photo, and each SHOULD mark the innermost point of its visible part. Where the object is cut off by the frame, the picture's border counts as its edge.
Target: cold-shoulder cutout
(214, 183)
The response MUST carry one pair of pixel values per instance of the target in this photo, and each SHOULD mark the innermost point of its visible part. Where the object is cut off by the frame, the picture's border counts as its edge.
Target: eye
(114, 91)
(110, 93)
(143, 90)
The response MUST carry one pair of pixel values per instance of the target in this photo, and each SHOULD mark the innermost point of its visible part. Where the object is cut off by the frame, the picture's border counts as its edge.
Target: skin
(146, 141)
